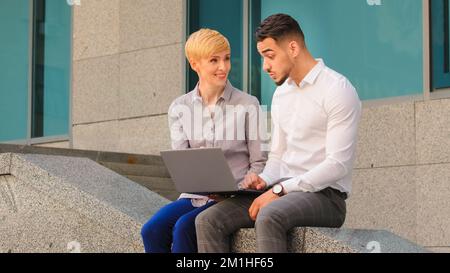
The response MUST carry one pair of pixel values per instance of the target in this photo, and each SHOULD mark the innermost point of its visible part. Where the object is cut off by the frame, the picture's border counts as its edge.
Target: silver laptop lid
(201, 170)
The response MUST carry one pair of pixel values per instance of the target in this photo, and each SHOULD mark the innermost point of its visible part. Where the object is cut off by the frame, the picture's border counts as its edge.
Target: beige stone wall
(127, 68)
(401, 182)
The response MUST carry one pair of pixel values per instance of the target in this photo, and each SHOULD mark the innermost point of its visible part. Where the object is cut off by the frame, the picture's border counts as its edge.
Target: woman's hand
(253, 181)
(217, 197)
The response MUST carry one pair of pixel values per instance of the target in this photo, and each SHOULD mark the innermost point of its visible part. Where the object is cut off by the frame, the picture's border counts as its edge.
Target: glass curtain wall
(440, 57)
(225, 17)
(377, 47)
(14, 68)
(35, 61)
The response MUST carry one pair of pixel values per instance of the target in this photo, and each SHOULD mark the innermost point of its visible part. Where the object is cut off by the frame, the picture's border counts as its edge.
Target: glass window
(440, 76)
(39, 62)
(51, 68)
(377, 47)
(14, 67)
(225, 17)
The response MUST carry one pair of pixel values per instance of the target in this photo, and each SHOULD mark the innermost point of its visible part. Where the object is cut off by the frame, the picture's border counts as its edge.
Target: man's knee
(269, 216)
(207, 218)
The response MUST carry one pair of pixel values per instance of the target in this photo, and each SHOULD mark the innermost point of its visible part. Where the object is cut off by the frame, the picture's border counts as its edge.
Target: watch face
(277, 189)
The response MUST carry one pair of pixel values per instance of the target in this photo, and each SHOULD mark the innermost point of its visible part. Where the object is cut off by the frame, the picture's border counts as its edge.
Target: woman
(214, 106)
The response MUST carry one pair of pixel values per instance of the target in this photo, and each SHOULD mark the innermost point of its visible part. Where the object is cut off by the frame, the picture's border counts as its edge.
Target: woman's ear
(193, 64)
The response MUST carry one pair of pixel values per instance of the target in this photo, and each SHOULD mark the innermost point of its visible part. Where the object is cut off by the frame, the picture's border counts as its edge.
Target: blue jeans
(173, 225)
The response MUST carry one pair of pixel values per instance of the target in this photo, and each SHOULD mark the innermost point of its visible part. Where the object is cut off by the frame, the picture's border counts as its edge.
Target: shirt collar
(226, 95)
(312, 75)
(196, 94)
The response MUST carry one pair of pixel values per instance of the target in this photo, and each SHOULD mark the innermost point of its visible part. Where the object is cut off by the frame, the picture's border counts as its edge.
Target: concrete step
(331, 240)
(137, 169)
(40, 208)
(147, 170)
(160, 185)
(98, 156)
(130, 158)
(171, 195)
(154, 183)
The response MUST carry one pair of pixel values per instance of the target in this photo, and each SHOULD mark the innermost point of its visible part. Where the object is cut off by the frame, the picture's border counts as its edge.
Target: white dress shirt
(314, 133)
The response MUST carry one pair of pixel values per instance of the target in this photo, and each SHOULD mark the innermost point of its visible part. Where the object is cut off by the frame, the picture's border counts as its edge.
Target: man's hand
(260, 202)
(253, 181)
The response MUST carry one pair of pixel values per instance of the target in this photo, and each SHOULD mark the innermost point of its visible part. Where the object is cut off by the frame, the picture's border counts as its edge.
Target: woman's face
(214, 70)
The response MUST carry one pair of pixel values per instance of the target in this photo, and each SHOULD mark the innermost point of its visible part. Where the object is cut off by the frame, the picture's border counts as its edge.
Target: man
(315, 115)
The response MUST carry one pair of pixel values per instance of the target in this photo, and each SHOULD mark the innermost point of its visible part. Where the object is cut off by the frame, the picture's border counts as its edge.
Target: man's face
(276, 61)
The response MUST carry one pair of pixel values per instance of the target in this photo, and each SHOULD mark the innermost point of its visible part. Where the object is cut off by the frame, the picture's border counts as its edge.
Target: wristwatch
(278, 190)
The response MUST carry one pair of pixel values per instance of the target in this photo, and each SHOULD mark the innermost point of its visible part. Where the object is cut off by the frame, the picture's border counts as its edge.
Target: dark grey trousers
(215, 225)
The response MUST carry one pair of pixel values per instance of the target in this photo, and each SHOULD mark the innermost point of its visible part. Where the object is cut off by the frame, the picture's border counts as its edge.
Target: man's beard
(281, 82)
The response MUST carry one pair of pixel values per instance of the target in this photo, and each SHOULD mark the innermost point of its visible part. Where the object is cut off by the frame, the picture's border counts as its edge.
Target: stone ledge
(329, 240)
(5, 164)
(98, 156)
(108, 207)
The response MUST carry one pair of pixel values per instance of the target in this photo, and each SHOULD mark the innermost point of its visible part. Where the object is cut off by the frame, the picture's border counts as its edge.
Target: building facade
(100, 75)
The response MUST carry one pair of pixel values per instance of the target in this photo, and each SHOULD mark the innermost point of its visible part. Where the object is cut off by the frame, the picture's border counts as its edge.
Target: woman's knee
(154, 228)
(185, 224)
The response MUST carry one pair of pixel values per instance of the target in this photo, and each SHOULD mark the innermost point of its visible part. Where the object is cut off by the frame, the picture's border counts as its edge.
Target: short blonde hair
(204, 43)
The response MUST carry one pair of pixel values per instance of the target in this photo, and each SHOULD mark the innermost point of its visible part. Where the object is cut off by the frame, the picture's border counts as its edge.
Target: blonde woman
(212, 104)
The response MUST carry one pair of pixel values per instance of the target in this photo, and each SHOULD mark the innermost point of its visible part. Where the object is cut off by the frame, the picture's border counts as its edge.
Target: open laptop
(202, 171)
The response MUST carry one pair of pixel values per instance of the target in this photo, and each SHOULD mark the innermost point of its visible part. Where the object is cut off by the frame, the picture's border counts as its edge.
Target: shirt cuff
(296, 184)
(266, 178)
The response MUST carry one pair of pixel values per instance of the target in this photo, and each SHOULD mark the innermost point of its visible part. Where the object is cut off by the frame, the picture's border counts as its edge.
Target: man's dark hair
(277, 27)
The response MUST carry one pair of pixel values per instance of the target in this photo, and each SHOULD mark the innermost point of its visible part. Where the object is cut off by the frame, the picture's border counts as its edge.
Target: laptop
(202, 171)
